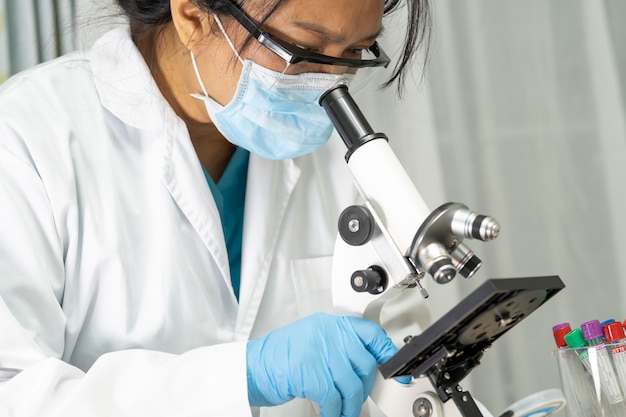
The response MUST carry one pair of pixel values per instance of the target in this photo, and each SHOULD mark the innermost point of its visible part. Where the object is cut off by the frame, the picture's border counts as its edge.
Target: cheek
(220, 74)
(226, 84)
(255, 51)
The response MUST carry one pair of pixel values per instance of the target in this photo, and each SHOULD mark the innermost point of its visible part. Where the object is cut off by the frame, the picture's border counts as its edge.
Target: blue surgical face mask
(274, 115)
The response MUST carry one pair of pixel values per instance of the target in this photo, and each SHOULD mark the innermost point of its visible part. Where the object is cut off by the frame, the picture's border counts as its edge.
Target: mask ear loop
(195, 69)
(230, 43)
(193, 56)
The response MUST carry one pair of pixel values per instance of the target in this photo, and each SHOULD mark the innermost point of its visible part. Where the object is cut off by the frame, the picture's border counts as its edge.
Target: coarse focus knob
(356, 225)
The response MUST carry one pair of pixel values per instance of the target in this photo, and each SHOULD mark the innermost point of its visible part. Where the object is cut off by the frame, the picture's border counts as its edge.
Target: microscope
(386, 245)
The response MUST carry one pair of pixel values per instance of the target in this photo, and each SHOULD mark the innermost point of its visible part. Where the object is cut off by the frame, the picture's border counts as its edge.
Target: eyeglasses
(293, 54)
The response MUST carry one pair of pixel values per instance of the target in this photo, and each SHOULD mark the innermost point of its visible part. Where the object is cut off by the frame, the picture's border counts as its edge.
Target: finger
(377, 343)
(328, 398)
(363, 364)
(349, 385)
(373, 338)
(317, 385)
(404, 379)
(365, 352)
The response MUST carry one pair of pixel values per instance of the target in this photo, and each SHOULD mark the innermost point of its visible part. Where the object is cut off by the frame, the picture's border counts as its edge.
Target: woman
(169, 203)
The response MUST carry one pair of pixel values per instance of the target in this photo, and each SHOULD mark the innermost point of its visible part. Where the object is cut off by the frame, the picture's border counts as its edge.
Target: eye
(357, 52)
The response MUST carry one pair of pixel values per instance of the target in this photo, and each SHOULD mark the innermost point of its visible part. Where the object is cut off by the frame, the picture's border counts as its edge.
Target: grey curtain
(526, 112)
(37, 30)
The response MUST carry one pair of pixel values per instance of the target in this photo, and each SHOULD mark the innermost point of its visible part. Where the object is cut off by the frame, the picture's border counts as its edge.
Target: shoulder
(70, 108)
(72, 96)
(49, 87)
(38, 107)
(66, 84)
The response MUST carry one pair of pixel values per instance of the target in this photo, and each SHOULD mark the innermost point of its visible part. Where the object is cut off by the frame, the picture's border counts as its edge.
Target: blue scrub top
(229, 194)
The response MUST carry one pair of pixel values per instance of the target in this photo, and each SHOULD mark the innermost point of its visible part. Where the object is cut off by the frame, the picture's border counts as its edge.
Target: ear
(191, 23)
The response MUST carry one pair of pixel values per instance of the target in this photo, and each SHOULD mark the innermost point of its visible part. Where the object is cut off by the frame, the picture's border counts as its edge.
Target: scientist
(168, 209)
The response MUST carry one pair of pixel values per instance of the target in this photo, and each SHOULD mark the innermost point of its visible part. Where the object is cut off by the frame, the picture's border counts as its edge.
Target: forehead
(339, 18)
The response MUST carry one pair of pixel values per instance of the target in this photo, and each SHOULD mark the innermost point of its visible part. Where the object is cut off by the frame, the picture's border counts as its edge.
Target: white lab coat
(115, 294)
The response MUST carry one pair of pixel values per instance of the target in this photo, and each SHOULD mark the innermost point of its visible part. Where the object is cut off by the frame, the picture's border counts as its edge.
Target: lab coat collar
(129, 92)
(124, 81)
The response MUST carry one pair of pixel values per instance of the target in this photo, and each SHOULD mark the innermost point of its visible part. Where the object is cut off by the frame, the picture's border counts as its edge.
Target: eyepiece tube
(348, 118)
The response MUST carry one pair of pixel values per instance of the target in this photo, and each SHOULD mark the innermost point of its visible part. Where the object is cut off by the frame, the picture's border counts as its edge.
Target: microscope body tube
(376, 169)
(384, 182)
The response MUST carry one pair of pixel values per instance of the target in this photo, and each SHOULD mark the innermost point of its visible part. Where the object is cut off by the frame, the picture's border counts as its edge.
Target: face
(338, 28)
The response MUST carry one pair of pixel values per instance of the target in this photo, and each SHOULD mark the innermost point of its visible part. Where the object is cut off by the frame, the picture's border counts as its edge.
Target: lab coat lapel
(269, 188)
(184, 178)
(130, 93)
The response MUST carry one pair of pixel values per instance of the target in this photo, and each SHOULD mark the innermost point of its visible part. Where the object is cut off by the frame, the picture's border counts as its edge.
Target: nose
(334, 69)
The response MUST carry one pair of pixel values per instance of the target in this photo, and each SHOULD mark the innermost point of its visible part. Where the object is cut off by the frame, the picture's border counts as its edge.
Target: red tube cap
(614, 332)
(559, 331)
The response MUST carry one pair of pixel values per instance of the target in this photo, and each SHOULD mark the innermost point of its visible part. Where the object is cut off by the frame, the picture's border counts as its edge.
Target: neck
(170, 65)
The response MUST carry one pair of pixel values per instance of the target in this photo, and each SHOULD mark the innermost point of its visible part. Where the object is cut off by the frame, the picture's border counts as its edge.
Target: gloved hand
(328, 359)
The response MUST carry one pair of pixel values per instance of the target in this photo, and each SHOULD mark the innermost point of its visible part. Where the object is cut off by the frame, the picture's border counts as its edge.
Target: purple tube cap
(560, 326)
(592, 329)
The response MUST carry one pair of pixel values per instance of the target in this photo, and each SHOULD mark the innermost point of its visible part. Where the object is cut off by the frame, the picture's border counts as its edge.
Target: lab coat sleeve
(202, 382)
(35, 381)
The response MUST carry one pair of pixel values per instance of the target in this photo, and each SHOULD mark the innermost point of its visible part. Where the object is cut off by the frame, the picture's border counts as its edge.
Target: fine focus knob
(372, 280)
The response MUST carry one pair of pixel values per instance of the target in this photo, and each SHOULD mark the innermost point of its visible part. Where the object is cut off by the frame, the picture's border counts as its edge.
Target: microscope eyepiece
(348, 119)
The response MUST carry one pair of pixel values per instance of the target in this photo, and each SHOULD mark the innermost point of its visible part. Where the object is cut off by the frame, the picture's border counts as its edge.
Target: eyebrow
(326, 34)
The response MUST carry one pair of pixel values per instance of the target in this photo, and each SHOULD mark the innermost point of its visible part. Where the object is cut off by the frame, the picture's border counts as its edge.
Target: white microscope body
(387, 245)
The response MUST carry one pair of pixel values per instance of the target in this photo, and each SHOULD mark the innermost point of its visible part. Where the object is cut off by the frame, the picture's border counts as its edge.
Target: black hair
(150, 15)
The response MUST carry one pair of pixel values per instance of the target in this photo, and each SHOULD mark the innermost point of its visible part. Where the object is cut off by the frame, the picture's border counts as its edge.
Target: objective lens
(465, 261)
(437, 262)
(469, 224)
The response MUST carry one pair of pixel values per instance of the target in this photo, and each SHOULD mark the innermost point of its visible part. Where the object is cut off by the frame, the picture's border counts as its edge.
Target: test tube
(576, 341)
(579, 396)
(614, 334)
(592, 333)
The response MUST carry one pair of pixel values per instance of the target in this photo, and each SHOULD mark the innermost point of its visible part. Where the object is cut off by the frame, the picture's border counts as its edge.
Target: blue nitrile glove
(328, 359)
